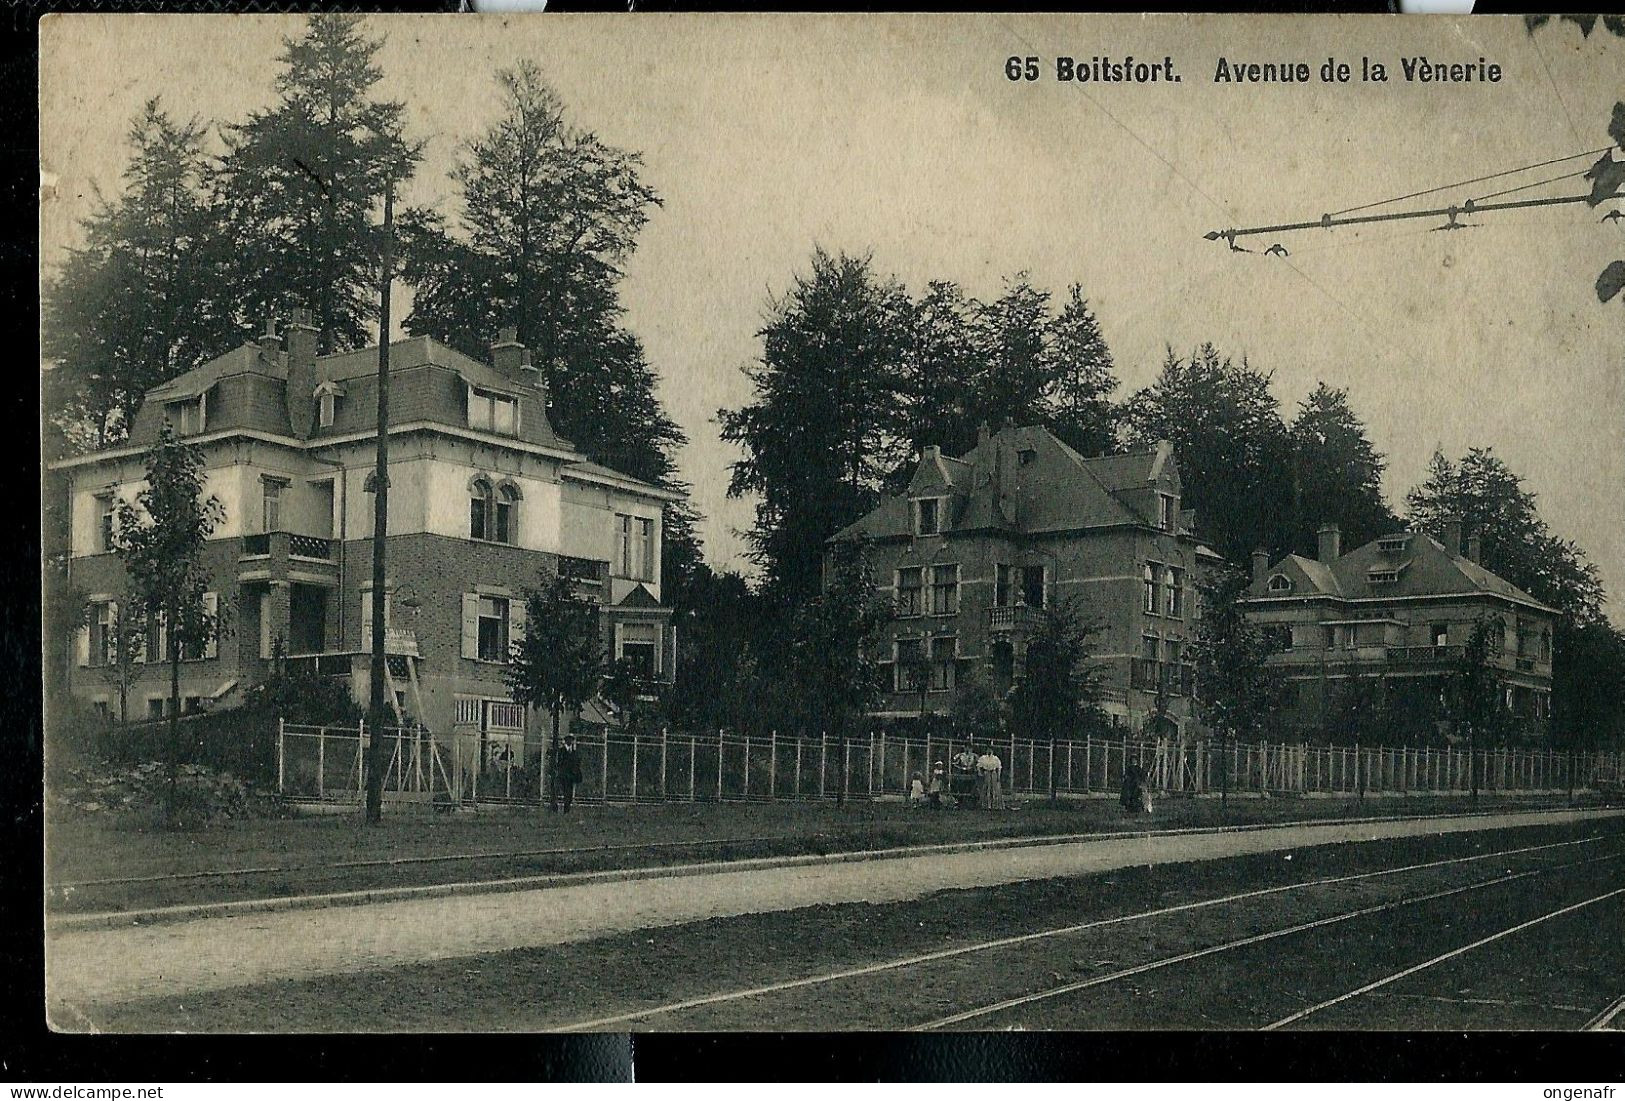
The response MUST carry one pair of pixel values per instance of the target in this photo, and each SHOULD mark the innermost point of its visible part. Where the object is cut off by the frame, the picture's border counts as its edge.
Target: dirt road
(88, 967)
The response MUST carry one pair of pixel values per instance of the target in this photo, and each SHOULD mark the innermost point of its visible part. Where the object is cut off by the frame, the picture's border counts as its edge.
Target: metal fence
(328, 763)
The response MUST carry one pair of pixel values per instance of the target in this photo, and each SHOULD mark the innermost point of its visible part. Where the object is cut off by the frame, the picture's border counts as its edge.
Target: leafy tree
(299, 182)
(978, 712)
(560, 662)
(1489, 498)
(1235, 690)
(1588, 685)
(297, 694)
(835, 647)
(1337, 473)
(1059, 688)
(1233, 449)
(160, 541)
(1477, 689)
(1081, 379)
(1607, 175)
(817, 436)
(135, 304)
(126, 646)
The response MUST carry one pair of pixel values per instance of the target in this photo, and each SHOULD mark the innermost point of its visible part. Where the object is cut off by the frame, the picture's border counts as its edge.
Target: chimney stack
(301, 396)
(1331, 543)
(1452, 535)
(982, 434)
(507, 354)
(530, 374)
(1261, 564)
(270, 342)
(1475, 548)
(931, 452)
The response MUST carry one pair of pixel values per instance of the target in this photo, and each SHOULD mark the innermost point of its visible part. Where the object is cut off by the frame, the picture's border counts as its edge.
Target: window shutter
(471, 625)
(516, 621)
(163, 636)
(211, 608)
(82, 644)
(366, 621)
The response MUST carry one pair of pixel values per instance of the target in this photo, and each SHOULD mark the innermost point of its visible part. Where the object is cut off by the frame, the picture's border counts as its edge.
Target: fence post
(719, 764)
(773, 764)
(693, 752)
(746, 785)
(1088, 764)
(664, 737)
(846, 763)
(882, 764)
(634, 768)
(823, 764)
(321, 762)
(797, 793)
(281, 738)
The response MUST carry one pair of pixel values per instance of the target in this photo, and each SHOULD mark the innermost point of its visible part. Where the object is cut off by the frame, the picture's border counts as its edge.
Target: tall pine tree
(1081, 379)
(1337, 473)
(300, 183)
(135, 304)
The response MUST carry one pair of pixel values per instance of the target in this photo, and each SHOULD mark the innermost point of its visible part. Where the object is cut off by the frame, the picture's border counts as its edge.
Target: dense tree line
(856, 375)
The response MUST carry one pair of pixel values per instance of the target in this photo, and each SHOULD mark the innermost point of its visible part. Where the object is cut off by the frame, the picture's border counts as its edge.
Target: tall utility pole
(380, 524)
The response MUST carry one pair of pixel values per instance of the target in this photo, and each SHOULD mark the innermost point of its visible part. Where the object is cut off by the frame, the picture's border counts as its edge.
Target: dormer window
(1168, 517)
(490, 411)
(928, 516)
(1385, 575)
(1280, 583)
(1026, 455)
(1393, 544)
(327, 397)
(186, 417)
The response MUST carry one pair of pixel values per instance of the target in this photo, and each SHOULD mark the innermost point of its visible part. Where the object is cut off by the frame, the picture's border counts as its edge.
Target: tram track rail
(903, 963)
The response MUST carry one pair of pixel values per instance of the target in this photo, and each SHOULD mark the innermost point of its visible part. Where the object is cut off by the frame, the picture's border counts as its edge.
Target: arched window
(1280, 583)
(1148, 577)
(505, 513)
(479, 509)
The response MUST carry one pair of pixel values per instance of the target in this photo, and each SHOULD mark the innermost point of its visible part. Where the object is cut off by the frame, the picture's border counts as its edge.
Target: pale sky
(769, 134)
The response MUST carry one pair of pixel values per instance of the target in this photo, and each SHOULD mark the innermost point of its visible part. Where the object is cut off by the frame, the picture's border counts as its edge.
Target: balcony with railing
(1014, 618)
(270, 553)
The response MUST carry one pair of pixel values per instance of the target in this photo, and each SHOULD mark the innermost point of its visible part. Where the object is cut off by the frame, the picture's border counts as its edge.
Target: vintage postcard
(833, 522)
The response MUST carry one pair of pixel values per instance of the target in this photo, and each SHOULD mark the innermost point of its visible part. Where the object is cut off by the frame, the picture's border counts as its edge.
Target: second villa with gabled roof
(1393, 616)
(977, 546)
(485, 498)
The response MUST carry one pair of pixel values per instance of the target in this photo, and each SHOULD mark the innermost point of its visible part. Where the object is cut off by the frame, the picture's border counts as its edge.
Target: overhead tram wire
(1475, 205)
(1476, 179)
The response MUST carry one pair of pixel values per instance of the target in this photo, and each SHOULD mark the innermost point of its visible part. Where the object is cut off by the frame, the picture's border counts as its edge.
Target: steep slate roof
(248, 358)
(1058, 490)
(416, 352)
(1426, 569)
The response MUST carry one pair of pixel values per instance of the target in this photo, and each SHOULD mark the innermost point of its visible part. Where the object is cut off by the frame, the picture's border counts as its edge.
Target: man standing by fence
(567, 762)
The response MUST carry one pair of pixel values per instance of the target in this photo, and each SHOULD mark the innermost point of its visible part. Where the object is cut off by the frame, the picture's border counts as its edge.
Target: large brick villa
(979, 545)
(484, 498)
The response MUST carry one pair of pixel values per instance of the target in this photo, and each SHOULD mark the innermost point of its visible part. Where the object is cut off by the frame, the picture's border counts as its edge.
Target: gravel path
(86, 967)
